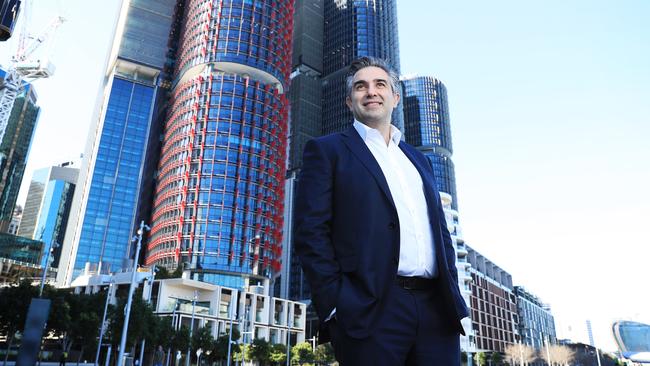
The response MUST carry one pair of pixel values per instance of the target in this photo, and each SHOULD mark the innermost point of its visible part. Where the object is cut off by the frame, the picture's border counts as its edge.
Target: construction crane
(23, 69)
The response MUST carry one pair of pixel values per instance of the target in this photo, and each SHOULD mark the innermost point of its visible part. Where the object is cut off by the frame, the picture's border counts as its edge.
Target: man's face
(372, 100)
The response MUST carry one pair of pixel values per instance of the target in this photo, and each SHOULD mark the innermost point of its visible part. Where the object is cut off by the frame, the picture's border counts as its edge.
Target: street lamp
(232, 315)
(101, 331)
(47, 264)
(187, 361)
(127, 315)
(289, 325)
(153, 277)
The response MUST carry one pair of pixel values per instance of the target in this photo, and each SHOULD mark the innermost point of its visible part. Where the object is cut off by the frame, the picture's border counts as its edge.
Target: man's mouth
(374, 103)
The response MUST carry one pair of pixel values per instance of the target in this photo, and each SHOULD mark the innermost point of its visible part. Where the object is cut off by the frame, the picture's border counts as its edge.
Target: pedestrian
(372, 237)
(158, 356)
(63, 357)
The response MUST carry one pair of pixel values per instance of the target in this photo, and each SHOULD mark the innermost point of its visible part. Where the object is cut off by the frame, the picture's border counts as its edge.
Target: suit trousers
(410, 331)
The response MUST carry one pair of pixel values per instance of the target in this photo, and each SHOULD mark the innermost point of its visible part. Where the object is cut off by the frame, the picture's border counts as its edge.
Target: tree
(496, 358)
(220, 347)
(324, 354)
(513, 355)
(142, 322)
(561, 355)
(201, 338)
(85, 320)
(278, 354)
(181, 339)
(480, 358)
(259, 351)
(14, 302)
(302, 353)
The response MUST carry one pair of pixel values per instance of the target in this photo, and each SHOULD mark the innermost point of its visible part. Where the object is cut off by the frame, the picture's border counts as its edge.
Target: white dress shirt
(417, 251)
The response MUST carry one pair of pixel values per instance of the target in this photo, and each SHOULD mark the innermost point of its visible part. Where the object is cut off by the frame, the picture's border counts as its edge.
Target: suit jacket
(347, 233)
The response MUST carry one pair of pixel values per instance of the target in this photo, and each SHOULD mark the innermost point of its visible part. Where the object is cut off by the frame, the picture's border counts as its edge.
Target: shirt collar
(363, 130)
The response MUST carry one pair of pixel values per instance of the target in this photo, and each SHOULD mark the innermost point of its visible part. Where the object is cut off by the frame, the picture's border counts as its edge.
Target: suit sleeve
(447, 244)
(313, 216)
(450, 252)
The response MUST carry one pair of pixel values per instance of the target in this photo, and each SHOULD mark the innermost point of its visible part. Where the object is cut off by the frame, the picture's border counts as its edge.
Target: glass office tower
(47, 208)
(427, 127)
(14, 149)
(218, 203)
(355, 28)
(104, 212)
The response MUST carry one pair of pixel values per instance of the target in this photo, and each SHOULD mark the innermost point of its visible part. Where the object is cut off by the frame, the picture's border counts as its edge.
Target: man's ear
(397, 98)
(348, 102)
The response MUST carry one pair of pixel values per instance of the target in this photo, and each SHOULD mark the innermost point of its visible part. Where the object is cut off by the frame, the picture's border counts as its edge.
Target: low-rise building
(493, 305)
(185, 301)
(536, 323)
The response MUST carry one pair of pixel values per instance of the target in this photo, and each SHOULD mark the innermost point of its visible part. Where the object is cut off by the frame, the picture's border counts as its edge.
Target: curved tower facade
(220, 188)
(355, 28)
(427, 127)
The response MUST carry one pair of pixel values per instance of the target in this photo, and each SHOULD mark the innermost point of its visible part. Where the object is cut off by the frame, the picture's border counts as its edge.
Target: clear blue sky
(550, 113)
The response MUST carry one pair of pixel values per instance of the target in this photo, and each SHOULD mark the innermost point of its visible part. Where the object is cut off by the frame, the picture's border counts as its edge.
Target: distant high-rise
(427, 127)
(47, 207)
(305, 123)
(219, 197)
(306, 70)
(14, 149)
(353, 29)
(108, 196)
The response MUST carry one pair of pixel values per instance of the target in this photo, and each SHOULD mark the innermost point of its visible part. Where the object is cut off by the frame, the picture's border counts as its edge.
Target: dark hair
(368, 61)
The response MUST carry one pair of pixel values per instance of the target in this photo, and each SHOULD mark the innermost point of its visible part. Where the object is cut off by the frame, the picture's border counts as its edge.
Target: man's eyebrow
(365, 82)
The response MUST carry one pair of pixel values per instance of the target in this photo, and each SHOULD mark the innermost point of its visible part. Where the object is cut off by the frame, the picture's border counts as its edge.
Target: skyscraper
(219, 198)
(14, 149)
(106, 201)
(47, 207)
(305, 123)
(355, 28)
(427, 127)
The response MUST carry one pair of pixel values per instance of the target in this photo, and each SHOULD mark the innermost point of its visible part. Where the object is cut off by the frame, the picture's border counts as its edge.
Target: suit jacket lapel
(358, 147)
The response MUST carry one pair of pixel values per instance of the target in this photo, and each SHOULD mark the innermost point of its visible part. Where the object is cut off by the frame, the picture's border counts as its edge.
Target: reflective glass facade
(14, 149)
(632, 337)
(427, 127)
(355, 28)
(108, 201)
(220, 188)
(20, 249)
(105, 234)
(47, 208)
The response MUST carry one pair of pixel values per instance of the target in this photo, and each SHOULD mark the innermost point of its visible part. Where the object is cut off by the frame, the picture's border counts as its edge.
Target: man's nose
(371, 91)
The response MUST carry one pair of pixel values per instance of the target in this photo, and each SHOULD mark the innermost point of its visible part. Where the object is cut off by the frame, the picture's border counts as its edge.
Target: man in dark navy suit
(372, 237)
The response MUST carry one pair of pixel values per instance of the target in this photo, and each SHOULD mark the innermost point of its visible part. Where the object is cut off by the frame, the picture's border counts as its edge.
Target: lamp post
(169, 349)
(47, 264)
(153, 277)
(232, 315)
(187, 361)
(101, 331)
(127, 315)
(288, 335)
(548, 352)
